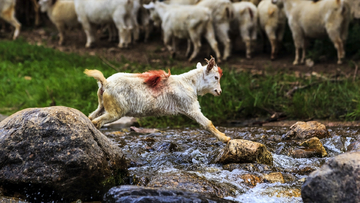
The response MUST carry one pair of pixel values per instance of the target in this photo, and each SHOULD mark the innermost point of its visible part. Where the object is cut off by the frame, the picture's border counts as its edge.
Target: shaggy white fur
(156, 93)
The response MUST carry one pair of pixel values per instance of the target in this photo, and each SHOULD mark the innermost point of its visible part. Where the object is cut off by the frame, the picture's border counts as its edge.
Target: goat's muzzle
(218, 92)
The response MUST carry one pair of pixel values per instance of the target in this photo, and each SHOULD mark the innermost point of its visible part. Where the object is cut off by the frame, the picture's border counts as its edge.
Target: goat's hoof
(295, 63)
(339, 62)
(96, 124)
(226, 139)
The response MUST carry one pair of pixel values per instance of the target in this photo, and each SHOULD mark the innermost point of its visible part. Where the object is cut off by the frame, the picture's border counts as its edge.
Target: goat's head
(44, 5)
(154, 15)
(211, 77)
(278, 3)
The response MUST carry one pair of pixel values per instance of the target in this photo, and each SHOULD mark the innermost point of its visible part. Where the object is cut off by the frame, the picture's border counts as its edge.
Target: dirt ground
(154, 53)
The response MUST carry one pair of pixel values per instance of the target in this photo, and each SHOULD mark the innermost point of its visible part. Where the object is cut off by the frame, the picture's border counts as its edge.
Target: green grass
(57, 78)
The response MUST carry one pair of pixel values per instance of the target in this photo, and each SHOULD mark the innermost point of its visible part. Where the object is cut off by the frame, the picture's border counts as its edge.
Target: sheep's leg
(303, 52)
(147, 29)
(37, 15)
(206, 123)
(339, 47)
(210, 37)
(222, 34)
(197, 44)
(167, 38)
(296, 61)
(188, 49)
(61, 28)
(273, 43)
(89, 35)
(248, 48)
(119, 20)
(128, 34)
(112, 111)
(9, 16)
(136, 29)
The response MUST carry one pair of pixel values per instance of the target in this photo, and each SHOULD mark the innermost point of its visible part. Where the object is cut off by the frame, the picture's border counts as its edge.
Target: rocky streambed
(187, 164)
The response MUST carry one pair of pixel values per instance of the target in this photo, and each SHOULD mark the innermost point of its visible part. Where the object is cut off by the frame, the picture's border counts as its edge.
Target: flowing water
(191, 151)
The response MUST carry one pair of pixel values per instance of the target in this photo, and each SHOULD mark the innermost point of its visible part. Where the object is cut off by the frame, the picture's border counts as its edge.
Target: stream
(191, 151)
(161, 157)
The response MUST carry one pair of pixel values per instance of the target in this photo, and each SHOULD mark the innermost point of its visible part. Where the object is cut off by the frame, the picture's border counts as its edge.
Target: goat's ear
(151, 5)
(198, 65)
(211, 64)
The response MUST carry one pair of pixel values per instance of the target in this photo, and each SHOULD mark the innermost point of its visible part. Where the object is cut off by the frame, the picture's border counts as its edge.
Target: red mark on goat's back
(220, 71)
(153, 78)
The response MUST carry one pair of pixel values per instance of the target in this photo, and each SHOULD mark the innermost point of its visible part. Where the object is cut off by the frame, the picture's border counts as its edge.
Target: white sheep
(185, 22)
(272, 21)
(156, 93)
(181, 2)
(308, 19)
(355, 8)
(7, 12)
(246, 21)
(222, 12)
(255, 2)
(103, 12)
(61, 13)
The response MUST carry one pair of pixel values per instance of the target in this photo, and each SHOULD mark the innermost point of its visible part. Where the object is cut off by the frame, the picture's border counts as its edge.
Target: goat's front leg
(207, 124)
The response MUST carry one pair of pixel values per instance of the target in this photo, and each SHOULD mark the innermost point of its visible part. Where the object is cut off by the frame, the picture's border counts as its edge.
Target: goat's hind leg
(112, 111)
(100, 109)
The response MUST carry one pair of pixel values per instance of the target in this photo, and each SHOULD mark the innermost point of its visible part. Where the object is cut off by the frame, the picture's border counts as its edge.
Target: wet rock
(244, 151)
(288, 177)
(311, 148)
(283, 192)
(302, 170)
(274, 177)
(192, 183)
(336, 181)
(305, 130)
(250, 167)
(57, 152)
(305, 153)
(314, 143)
(135, 194)
(354, 146)
(251, 179)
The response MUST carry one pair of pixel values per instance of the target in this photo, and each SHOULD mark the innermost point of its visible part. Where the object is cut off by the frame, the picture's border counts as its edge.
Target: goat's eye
(216, 78)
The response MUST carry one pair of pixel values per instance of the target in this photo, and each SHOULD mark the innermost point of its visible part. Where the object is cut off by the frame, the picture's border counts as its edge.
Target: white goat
(246, 20)
(185, 22)
(309, 19)
(61, 13)
(222, 12)
(272, 21)
(7, 12)
(105, 11)
(156, 93)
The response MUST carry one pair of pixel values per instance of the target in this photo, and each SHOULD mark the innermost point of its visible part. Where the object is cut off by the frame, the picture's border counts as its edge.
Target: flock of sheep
(196, 19)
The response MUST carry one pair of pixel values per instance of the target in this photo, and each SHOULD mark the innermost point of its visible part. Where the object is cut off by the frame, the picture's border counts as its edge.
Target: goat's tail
(97, 75)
